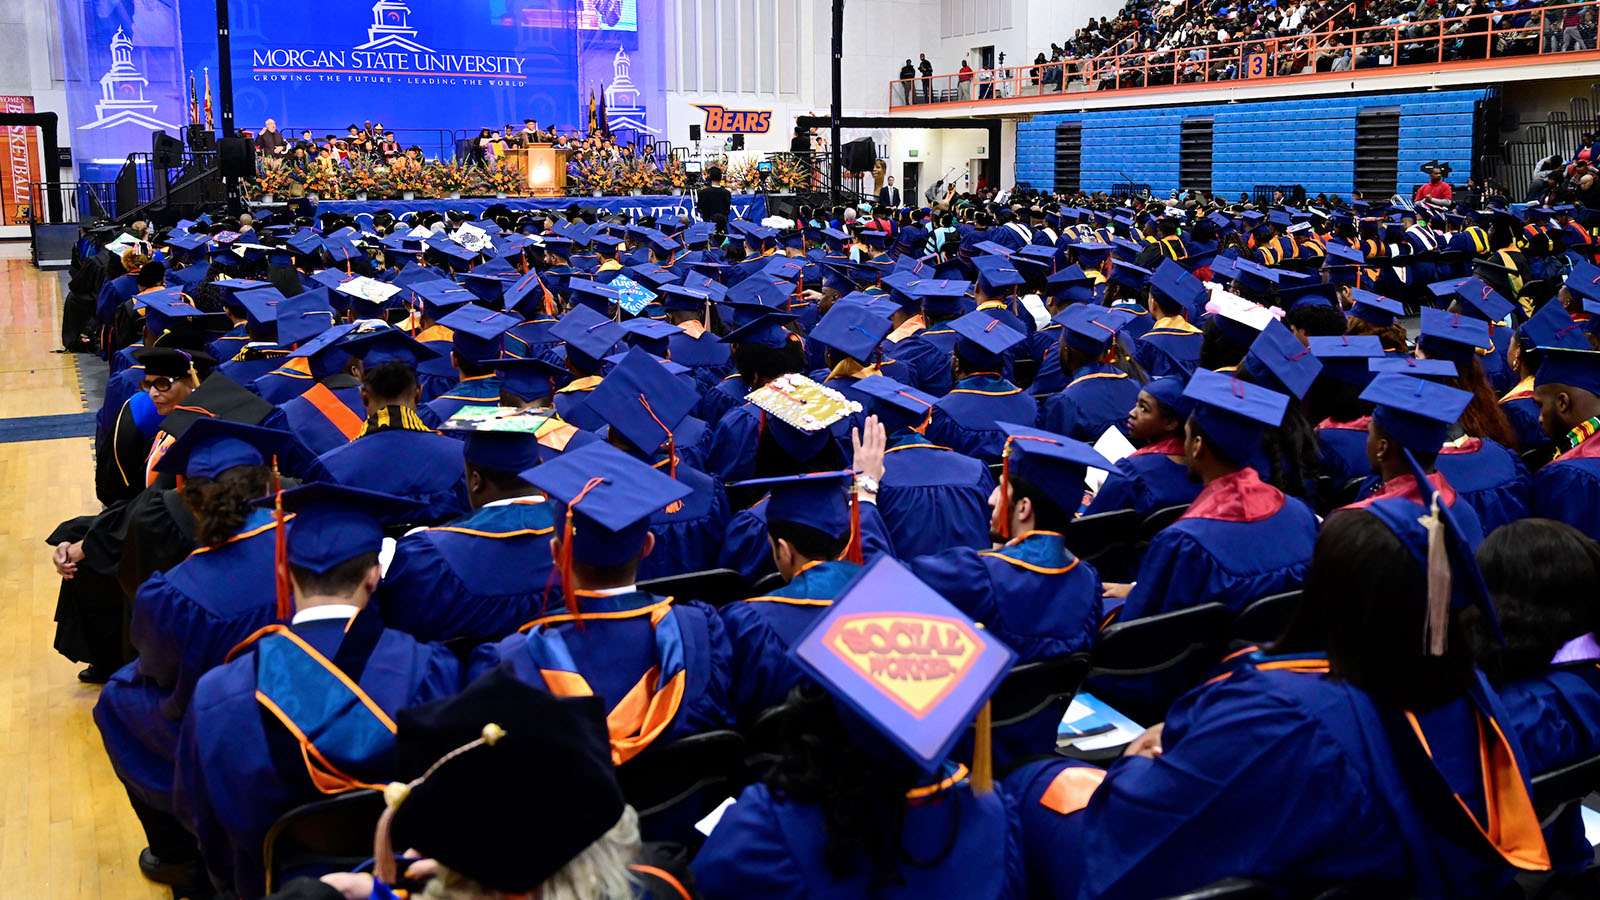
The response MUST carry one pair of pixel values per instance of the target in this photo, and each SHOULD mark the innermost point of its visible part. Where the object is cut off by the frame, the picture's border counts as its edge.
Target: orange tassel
(569, 593)
(1004, 509)
(672, 444)
(852, 550)
(280, 549)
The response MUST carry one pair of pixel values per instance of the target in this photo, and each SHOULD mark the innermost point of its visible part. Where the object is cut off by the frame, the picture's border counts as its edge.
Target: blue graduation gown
(239, 769)
(933, 498)
(1353, 797)
(284, 383)
(1146, 481)
(1047, 349)
(531, 338)
(478, 390)
(614, 654)
(1491, 479)
(1344, 449)
(732, 452)
(772, 848)
(303, 417)
(1170, 347)
(762, 629)
(1038, 599)
(708, 358)
(719, 398)
(572, 403)
(965, 419)
(1568, 489)
(119, 388)
(426, 467)
(1556, 717)
(689, 535)
(1241, 539)
(930, 364)
(478, 576)
(185, 621)
(1523, 412)
(1098, 397)
(745, 548)
(1501, 377)
(228, 344)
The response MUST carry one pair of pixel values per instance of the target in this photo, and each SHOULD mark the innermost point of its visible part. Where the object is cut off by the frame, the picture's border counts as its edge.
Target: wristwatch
(867, 484)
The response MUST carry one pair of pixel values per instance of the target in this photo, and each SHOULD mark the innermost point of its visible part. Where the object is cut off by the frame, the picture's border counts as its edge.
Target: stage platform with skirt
(745, 206)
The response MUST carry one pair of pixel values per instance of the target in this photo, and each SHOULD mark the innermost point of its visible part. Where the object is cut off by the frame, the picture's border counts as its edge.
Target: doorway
(910, 183)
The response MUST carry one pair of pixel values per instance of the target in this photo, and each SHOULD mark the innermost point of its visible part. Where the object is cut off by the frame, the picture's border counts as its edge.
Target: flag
(209, 125)
(593, 127)
(605, 127)
(194, 101)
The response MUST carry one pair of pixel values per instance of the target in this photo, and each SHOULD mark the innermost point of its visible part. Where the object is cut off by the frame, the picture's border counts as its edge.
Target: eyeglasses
(160, 384)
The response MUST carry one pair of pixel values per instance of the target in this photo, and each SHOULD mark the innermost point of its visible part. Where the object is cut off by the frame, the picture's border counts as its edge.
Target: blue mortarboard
(1453, 336)
(818, 500)
(1055, 463)
(607, 243)
(440, 297)
(453, 251)
(261, 305)
(1255, 276)
(211, 446)
(1410, 365)
(1414, 411)
(1168, 391)
(304, 316)
(166, 311)
(610, 497)
(1314, 293)
(1092, 252)
(1374, 309)
(587, 334)
(1573, 368)
(478, 332)
(1089, 329)
(1233, 413)
(852, 329)
(766, 330)
(996, 274)
(1345, 356)
(939, 296)
(1279, 361)
(591, 294)
(897, 405)
(527, 378)
(1478, 298)
(758, 291)
(389, 345)
(982, 340)
(1552, 326)
(333, 523)
(783, 268)
(678, 298)
(1035, 254)
(920, 697)
(1221, 222)
(526, 294)
(639, 403)
(992, 248)
(1176, 291)
(1129, 275)
(325, 353)
(651, 276)
(1584, 280)
(341, 250)
(1344, 255)
(1072, 285)
(1280, 218)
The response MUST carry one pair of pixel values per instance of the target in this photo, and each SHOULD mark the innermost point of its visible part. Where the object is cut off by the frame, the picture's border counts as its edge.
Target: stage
(745, 206)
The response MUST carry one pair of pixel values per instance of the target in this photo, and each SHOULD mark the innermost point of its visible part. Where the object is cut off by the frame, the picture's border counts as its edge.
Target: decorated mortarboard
(1345, 356)
(1414, 411)
(982, 340)
(1391, 364)
(211, 446)
(304, 316)
(1552, 326)
(1090, 329)
(502, 439)
(478, 332)
(1279, 361)
(1453, 336)
(1129, 275)
(916, 700)
(1234, 414)
(1238, 319)
(897, 405)
(1374, 309)
(334, 523)
(589, 336)
(800, 412)
(1578, 368)
(1176, 291)
(853, 329)
(389, 345)
(604, 500)
(766, 330)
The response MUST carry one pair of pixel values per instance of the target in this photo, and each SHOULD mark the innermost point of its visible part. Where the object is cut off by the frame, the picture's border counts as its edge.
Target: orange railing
(1491, 37)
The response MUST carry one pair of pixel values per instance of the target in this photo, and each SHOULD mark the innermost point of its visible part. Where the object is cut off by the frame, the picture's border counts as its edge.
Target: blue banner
(745, 206)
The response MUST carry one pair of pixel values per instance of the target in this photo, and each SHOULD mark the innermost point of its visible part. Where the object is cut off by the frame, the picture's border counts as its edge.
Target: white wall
(30, 57)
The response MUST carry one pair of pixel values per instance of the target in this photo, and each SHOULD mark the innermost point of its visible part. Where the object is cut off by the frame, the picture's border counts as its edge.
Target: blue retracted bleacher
(1310, 142)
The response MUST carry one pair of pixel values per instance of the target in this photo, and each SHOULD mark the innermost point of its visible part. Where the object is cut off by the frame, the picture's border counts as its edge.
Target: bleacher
(1251, 145)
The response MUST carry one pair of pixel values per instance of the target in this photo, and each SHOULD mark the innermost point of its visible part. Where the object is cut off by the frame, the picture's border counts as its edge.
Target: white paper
(705, 825)
(369, 289)
(1240, 310)
(1114, 446)
(472, 237)
(1087, 713)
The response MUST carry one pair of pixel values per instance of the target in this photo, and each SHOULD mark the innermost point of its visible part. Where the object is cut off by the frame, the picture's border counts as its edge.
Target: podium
(543, 168)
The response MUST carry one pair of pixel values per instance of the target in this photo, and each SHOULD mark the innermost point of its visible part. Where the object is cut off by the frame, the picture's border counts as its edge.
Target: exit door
(911, 182)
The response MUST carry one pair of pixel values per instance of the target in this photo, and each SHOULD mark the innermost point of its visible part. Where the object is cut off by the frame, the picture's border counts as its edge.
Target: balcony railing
(1466, 40)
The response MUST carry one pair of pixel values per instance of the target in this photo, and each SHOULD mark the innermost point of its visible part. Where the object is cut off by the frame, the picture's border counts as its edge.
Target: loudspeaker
(737, 143)
(236, 157)
(202, 138)
(694, 132)
(166, 151)
(859, 155)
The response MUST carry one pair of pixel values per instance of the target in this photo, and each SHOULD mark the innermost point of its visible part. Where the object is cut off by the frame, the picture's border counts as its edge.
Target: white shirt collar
(507, 501)
(612, 592)
(331, 611)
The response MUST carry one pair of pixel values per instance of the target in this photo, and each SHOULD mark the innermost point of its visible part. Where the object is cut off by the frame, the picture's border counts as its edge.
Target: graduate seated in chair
(1567, 489)
(1388, 761)
(262, 736)
(1156, 475)
(663, 667)
(865, 800)
(965, 419)
(1541, 575)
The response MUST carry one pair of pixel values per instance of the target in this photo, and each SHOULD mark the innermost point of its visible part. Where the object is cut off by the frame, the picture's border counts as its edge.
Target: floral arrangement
(789, 175)
(453, 177)
(427, 180)
(273, 179)
(743, 176)
(373, 181)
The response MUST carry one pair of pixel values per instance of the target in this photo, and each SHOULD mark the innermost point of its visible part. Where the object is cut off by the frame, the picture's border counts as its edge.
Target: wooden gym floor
(66, 830)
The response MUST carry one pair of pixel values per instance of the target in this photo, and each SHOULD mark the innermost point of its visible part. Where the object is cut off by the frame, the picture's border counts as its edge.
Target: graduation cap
(817, 500)
(766, 330)
(1453, 336)
(1255, 276)
(1090, 329)
(1374, 309)
(1168, 391)
(334, 523)
(478, 333)
(799, 413)
(853, 329)
(440, 297)
(783, 268)
(642, 406)
(1129, 275)
(527, 378)
(589, 336)
(390, 345)
(173, 362)
(1314, 293)
(1411, 365)
(1071, 285)
(939, 296)
(604, 500)
(1415, 412)
(897, 405)
(996, 275)
(1054, 463)
(1477, 297)
(916, 701)
(304, 316)
(1552, 326)
(1279, 361)
(1176, 291)
(597, 297)
(651, 275)
(1584, 280)
(1577, 368)
(1234, 414)
(166, 312)
(1341, 255)
(211, 446)
(982, 340)
(1239, 319)
(1345, 356)
(758, 291)
(525, 295)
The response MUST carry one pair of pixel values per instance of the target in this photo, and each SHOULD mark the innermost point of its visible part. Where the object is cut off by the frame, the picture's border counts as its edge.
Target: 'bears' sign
(720, 120)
